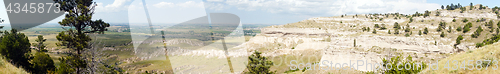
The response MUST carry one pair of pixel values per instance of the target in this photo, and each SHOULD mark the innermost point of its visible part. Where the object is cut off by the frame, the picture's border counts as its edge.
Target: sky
(254, 11)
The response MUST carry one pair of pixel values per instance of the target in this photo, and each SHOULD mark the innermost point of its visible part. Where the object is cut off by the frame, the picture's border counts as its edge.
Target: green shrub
(459, 38)
(396, 31)
(258, 64)
(442, 34)
(396, 25)
(479, 45)
(383, 28)
(394, 64)
(419, 32)
(42, 63)
(426, 31)
(477, 33)
(377, 26)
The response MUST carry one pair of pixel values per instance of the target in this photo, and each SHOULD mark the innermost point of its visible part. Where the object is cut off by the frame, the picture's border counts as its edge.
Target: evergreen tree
(467, 27)
(389, 32)
(419, 32)
(407, 29)
(374, 31)
(396, 26)
(15, 46)
(79, 20)
(459, 28)
(452, 7)
(480, 6)
(442, 34)
(459, 38)
(439, 29)
(258, 64)
(42, 63)
(442, 7)
(477, 33)
(490, 24)
(471, 6)
(498, 24)
(498, 30)
(364, 29)
(448, 7)
(426, 31)
(458, 6)
(40, 45)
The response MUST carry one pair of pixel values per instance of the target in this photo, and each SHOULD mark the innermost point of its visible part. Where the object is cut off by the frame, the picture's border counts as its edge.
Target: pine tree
(396, 26)
(419, 32)
(407, 29)
(467, 27)
(442, 34)
(498, 24)
(459, 38)
(15, 46)
(374, 31)
(477, 33)
(426, 31)
(43, 63)
(40, 45)
(389, 32)
(459, 28)
(396, 31)
(465, 20)
(471, 6)
(79, 22)
(497, 30)
(258, 64)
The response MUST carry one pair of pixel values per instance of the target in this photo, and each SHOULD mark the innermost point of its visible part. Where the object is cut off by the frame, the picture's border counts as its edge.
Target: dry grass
(489, 52)
(7, 68)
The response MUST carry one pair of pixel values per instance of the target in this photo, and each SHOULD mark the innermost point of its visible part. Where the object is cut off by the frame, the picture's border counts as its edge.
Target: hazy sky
(255, 11)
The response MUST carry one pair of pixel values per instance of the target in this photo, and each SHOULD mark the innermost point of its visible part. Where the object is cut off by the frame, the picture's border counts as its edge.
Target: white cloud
(187, 4)
(325, 7)
(164, 4)
(117, 5)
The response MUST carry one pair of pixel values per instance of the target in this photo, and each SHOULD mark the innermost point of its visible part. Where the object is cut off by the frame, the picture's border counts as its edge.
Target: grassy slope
(7, 68)
(489, 52)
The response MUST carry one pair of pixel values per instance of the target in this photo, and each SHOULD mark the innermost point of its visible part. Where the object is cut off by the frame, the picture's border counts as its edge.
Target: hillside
(371, 37)
(489, 52)
(7, 68)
